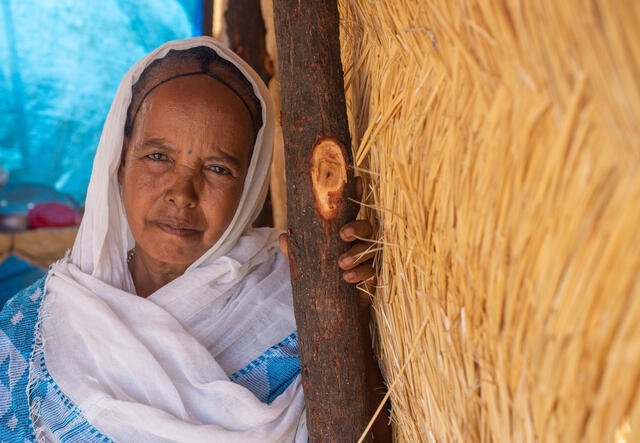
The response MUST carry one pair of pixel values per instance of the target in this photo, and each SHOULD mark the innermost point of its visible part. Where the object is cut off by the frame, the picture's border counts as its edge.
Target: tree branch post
(320, 185)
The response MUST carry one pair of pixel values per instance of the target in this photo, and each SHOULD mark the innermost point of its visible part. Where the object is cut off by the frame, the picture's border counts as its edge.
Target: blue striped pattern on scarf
(64, 419)
(267, 377)
(17, 322)
(270, 374)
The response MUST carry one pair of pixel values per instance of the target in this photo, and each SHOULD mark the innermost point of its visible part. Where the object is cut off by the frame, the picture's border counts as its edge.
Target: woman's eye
(219, 170)
(157, 156)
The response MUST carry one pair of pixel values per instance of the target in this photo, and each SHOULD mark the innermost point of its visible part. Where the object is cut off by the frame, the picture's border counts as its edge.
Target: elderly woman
(171, 319)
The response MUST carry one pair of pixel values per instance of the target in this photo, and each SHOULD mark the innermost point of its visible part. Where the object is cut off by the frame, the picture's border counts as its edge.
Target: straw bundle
(501, 141)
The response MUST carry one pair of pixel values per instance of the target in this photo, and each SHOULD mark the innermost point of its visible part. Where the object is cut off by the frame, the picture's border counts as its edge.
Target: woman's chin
(176, 263)
(172, 255)
(167, 245)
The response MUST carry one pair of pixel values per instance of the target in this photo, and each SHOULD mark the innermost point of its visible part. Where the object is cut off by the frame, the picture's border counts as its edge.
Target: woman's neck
(149, 275)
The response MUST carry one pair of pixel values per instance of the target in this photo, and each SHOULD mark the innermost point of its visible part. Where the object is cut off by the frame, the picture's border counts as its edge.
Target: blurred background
(60, 64)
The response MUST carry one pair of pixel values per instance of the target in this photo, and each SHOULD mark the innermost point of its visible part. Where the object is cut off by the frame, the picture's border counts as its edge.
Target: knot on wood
(328, 176)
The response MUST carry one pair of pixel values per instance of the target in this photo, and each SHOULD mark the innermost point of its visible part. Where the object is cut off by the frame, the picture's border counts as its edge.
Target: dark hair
(200, 60)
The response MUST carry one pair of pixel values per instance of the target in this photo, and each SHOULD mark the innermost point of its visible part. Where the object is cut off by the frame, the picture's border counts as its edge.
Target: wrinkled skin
(182, 174)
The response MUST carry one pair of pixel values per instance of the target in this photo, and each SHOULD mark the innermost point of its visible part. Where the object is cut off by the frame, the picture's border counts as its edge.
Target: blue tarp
(60, 64)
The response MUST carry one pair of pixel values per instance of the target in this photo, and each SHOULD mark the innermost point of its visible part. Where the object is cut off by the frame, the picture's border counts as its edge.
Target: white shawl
(156, 369)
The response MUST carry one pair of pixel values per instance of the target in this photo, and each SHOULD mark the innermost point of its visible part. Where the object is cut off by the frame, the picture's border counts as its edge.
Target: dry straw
(501, 141)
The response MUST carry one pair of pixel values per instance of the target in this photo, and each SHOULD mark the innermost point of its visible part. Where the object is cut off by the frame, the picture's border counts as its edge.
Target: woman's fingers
(357, 261)
(356, 229)
(358, 254)
(365, 277)
(361, 273)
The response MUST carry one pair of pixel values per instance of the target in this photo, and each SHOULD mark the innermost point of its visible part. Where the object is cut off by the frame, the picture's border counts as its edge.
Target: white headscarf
(156, 369)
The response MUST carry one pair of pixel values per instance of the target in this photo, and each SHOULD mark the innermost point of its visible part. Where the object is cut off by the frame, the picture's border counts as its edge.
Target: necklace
(130, 255)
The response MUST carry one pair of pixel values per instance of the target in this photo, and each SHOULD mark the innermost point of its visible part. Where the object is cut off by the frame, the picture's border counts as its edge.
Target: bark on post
(247, 37)
(207, 17)
(320, 184)
(246, 33)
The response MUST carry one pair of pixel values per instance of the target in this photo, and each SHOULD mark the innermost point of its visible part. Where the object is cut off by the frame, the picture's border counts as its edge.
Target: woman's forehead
(195, 111)
(200, 95)
(195, 62)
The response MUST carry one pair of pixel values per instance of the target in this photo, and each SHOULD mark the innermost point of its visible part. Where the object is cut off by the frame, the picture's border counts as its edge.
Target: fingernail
(346, 261)
(348, 232)
(349, 275)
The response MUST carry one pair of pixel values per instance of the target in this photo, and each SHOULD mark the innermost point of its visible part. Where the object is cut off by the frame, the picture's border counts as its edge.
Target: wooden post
(319, 185)
(246, 33)
(247, 37)
(207, 17)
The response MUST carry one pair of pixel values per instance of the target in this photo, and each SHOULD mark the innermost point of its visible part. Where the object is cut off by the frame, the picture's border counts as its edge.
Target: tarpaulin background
(60, 64)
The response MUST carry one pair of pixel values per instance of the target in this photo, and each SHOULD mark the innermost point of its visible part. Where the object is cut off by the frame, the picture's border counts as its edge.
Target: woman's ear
(123, 156)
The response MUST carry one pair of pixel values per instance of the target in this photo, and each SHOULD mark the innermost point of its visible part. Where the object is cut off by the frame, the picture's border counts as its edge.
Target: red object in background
(52, 215)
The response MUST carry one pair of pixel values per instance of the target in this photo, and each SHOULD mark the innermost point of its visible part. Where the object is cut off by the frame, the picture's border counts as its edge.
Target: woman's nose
(182, 192)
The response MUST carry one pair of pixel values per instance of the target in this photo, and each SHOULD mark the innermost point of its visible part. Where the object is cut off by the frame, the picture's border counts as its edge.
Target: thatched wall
(501, 141)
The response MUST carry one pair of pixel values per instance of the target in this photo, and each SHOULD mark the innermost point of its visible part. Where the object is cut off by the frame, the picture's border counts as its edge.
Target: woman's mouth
(178, 228)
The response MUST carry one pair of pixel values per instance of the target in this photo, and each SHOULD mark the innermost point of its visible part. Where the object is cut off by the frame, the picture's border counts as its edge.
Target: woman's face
(183, 169)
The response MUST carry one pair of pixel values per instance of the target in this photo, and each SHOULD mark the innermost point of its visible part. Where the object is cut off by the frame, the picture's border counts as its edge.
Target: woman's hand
(357, 262)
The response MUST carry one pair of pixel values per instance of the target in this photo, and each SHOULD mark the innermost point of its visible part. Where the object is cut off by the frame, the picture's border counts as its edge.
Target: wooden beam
(207, 17)
(319, 186)
(246, 33)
